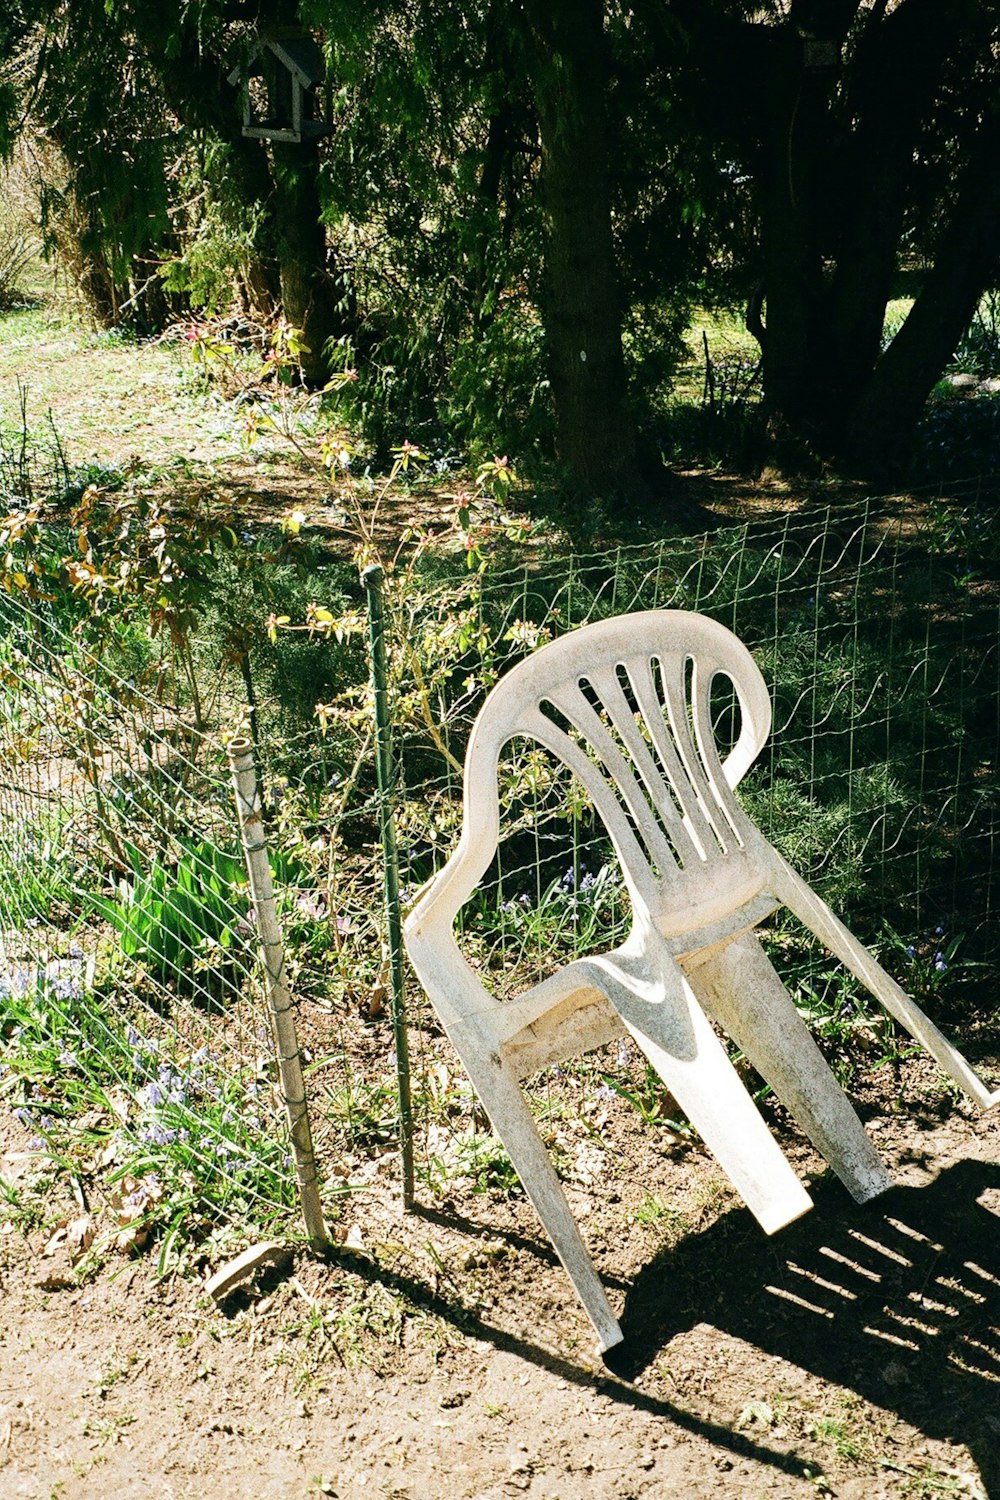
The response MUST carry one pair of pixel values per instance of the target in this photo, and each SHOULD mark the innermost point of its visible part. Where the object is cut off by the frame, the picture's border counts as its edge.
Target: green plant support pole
(372, 580)
(279, 998)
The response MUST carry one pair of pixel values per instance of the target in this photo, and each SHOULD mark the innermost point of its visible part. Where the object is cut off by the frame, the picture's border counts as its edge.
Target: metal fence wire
(134, 1033)
(878, 637)
(132, 1017)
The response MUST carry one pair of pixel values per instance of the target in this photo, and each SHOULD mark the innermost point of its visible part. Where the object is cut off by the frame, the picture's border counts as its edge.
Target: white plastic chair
(625, 705)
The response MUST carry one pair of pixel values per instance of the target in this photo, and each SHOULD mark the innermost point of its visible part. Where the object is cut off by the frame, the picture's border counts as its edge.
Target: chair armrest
(452, 985)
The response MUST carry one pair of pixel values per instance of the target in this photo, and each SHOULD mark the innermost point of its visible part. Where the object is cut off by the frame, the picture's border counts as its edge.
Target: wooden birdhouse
(283, 83)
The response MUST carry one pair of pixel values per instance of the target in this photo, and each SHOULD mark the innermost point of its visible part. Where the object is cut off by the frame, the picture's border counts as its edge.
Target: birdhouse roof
(301, 55)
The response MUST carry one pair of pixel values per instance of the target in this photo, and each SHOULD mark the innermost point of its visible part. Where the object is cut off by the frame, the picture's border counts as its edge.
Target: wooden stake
(279, 998)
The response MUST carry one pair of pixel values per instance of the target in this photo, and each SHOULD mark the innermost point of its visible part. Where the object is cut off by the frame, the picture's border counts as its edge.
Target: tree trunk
(308, 293)
(251, 177)
(794, 149)
(966, 263)
(894, 77)
(595, 434)
(834, 176)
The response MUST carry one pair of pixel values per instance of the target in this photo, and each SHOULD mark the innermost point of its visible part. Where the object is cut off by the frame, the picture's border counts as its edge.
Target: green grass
(113, 399)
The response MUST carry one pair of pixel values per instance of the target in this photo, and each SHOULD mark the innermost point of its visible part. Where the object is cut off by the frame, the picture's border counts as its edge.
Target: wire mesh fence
(878, 638)
(879, 780)
(132, 1010)
(133, 1027)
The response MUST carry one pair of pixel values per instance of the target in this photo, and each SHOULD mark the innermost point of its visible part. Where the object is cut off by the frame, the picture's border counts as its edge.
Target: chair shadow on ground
(897, 1300)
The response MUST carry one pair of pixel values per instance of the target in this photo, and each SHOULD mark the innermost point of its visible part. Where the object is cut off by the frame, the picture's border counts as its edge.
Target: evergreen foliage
(518, 208)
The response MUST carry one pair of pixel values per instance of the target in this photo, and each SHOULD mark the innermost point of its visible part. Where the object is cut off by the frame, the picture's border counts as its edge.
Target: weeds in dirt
(168, 1142)
(652, 1211)
(482, 1158)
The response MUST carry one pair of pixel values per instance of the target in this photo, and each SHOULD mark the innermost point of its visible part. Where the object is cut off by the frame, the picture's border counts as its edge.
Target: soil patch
(855, 1354)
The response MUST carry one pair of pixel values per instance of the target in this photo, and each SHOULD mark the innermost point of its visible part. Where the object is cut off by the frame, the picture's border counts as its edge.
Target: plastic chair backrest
(626, 705)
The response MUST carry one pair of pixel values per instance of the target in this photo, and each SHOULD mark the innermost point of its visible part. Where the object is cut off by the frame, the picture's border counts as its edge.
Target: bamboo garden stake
(279, 998)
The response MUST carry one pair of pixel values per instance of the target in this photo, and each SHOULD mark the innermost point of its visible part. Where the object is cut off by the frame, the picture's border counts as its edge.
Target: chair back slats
(634, 859)
(637, 794)
(627, 706)
(654, 758)
(727, 815)
(646, 758)
(671, 730)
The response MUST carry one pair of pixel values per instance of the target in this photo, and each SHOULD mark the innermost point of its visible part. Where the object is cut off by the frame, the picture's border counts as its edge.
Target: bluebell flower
(24, 1115)
(940, 963)
(154, 1095)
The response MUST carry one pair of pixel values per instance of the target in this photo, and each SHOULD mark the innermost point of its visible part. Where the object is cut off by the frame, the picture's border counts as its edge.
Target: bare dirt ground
(855, 1354)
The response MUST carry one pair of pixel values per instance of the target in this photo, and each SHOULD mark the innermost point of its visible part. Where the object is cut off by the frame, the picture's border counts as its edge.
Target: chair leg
(514, 1124)
(740, 988)
(814, 913)
(665, 1019)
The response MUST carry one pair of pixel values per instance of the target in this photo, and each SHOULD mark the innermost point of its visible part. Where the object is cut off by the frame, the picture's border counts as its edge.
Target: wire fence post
(372, 579)
(279, 998)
